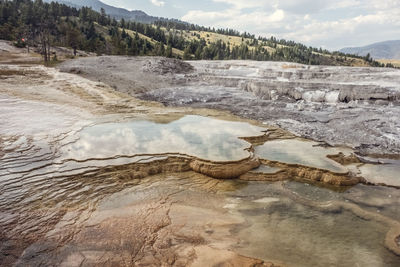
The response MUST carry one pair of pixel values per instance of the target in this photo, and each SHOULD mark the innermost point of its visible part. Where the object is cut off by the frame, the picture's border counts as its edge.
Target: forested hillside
(43, 25)
(116, 12)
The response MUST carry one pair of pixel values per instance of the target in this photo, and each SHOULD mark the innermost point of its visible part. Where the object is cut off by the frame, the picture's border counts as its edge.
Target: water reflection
(301, 152)
(386, 173)
(266, 169)
(280, 229)
(198, 136)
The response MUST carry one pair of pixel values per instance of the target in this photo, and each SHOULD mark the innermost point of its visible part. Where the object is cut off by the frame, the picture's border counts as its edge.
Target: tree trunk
(44, 50)
(42, 37)
(48, 49)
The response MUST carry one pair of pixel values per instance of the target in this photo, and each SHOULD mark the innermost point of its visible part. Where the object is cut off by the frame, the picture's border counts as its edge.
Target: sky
(319, 23)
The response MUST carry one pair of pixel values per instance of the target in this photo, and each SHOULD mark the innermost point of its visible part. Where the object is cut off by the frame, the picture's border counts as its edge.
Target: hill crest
(381, 50)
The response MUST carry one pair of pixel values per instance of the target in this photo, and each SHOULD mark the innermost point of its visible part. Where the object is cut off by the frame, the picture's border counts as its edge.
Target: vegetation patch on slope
(45, 25)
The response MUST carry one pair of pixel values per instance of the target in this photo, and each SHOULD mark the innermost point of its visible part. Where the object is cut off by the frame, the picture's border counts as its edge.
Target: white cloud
(233, 18)
(383, 4)
(326, 23)
(357, 30)
(313, 6)
(196, 136)
(294, 6)
(158, 3)
(241, 4)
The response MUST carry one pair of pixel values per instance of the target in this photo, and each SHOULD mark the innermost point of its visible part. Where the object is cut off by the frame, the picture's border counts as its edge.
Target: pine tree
(186, 53)
(168, 52)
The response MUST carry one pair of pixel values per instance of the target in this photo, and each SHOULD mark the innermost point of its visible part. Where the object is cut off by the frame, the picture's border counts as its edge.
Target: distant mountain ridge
(381, 50)
(117, 13)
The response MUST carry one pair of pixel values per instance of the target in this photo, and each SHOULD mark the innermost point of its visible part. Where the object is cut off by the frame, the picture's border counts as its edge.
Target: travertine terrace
(94, 174)
(358, 107)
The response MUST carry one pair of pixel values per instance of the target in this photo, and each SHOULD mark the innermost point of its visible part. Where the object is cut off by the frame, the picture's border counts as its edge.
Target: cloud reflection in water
(198, 136)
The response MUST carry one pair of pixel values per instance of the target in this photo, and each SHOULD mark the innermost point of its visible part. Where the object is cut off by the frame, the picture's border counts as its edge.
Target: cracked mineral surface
(358, 107)
(92, 176)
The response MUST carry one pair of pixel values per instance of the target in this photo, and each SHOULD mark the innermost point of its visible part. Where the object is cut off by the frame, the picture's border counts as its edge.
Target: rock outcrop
(303, 173)
(227, 170)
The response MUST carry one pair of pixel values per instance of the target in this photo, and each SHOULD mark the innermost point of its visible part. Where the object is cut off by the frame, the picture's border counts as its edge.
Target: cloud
(293, 6)
(381, 25)
(383, 4)
(326, 23)
(192, 135)
(233, 18)
(313, 6)
(242, 4)
(158, 3)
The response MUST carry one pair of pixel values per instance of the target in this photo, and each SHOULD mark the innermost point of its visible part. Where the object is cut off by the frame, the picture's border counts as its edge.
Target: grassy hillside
(388, 62)
(44, 25)
(325, 57)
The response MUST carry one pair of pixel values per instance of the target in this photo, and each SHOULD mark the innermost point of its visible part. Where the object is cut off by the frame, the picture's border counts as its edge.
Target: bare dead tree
(44, 40)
